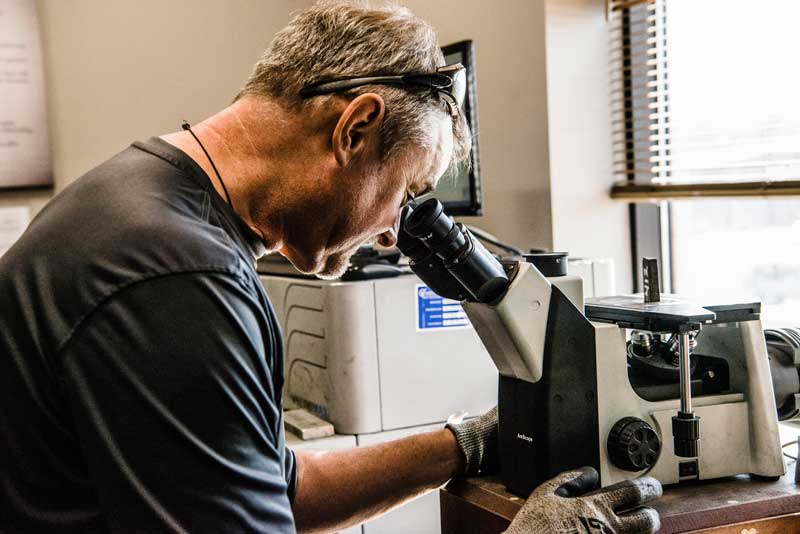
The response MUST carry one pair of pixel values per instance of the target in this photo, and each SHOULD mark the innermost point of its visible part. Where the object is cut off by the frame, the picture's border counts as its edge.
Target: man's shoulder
(141, 210)
(131, 218)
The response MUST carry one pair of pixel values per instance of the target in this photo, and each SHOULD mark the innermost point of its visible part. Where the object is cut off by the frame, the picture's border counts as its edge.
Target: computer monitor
(460, 190)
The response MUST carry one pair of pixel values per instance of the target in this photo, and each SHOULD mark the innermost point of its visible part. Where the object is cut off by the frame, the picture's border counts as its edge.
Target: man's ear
(357, 125)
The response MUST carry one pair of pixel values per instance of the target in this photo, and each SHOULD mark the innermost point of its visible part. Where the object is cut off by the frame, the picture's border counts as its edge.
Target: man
(140, 359)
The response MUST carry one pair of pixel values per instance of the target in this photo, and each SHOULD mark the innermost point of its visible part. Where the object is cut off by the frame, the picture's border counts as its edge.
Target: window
(734, 87)
(719, 117)
(745, 248)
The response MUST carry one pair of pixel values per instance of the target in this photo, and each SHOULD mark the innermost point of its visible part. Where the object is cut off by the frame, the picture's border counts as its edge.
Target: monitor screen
(460, 190)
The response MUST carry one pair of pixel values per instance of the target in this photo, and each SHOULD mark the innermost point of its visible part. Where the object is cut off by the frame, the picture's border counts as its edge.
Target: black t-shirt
(140, 361)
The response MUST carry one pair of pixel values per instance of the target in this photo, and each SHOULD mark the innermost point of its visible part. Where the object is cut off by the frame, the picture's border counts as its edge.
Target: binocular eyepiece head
(447, 257)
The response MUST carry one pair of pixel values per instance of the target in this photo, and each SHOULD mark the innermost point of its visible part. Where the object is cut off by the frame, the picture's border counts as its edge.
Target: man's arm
(338, 489)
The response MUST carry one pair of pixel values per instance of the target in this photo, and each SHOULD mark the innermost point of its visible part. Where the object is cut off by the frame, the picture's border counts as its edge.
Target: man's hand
(564, 506)
(477, 441)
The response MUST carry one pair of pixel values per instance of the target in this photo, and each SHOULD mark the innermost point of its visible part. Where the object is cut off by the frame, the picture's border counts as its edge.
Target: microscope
(630, 385)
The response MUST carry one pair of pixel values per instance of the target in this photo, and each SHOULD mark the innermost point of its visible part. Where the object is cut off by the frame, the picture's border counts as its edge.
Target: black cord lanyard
(188, 128)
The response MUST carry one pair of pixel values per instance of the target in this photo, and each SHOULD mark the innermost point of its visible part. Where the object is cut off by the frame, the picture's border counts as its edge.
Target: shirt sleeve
(173, 394)
(290, 468)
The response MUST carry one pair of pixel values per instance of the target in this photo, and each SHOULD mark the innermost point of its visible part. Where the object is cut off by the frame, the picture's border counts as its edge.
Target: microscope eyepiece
(424, 217)
(459, 256)
(437, 231)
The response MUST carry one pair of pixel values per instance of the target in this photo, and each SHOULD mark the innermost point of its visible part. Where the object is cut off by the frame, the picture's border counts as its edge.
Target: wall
(586, 222)
(121, 71)
(512, 107)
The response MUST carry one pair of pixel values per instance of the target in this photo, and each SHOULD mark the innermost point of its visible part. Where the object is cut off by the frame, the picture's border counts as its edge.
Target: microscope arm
(514, 328)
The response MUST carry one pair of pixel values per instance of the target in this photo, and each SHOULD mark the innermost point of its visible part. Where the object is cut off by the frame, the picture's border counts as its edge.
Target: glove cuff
(474, 438)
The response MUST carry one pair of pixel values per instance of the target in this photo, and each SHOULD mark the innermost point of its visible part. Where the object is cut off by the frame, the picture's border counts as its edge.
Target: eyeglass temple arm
(321, 88)
(434, 81)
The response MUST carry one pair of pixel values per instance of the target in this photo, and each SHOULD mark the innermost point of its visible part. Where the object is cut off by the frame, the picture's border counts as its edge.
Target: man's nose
(388, 238)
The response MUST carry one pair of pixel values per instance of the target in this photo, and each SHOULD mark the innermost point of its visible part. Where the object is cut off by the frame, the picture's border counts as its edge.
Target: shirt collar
(175, 156)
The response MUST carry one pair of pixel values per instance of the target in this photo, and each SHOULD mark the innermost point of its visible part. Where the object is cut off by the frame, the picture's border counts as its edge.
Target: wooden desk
(731, 506)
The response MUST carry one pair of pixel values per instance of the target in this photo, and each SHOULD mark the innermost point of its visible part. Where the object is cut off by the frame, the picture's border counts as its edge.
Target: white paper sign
(13, 222)
(24, 143)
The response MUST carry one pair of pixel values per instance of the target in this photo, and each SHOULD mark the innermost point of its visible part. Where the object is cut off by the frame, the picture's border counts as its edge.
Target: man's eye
(409, 196)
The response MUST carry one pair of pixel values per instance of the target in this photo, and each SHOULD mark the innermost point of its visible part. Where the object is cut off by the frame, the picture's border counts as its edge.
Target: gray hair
(336, 38)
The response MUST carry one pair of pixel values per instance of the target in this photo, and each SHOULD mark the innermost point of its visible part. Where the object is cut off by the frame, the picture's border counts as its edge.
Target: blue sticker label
(435, 312)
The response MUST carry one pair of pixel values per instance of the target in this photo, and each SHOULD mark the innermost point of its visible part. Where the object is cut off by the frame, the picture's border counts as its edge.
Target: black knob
(633, 445)
(686, 434)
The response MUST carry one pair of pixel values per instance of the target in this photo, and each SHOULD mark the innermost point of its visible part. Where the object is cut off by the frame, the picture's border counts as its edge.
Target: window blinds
(705, 100)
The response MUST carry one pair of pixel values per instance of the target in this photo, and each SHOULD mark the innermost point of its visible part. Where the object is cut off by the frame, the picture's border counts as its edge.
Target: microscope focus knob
(633, 445)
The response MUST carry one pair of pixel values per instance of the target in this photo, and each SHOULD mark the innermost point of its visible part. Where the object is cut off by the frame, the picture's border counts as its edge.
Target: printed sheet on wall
(25, 160)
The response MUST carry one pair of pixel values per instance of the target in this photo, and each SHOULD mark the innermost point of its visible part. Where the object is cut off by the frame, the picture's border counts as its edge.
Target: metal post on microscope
(686, 425)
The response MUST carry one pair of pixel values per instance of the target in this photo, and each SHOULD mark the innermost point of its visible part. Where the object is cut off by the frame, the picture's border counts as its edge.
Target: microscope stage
(671, 314)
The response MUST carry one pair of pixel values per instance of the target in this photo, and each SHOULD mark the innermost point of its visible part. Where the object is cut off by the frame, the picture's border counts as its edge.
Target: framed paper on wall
(25, 160)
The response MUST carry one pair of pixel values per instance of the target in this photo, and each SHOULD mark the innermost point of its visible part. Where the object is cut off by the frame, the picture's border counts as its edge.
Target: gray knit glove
(563, 506)
(477, 439)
